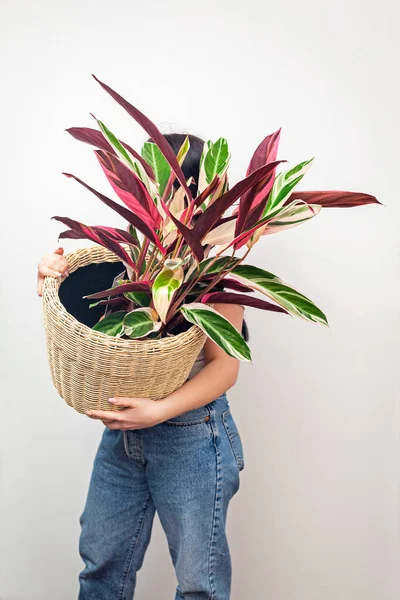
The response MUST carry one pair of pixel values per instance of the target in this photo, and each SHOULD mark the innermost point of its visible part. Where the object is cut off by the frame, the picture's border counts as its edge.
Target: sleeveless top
(199, 363)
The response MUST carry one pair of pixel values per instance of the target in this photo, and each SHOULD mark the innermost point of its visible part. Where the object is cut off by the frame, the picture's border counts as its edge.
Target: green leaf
(216, 160)
(116, 144)
(112, 324)
(273, 287)
(221, 263)
(140, 322)
(217, 328)
(283, 185)
(164, 287)
(156, 159)
(140, 298)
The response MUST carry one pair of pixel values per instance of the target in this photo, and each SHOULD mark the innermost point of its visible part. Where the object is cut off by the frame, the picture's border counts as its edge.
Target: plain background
(317, 514)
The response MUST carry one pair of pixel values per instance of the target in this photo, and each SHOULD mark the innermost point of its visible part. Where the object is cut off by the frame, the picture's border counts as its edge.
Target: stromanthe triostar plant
(182, 252)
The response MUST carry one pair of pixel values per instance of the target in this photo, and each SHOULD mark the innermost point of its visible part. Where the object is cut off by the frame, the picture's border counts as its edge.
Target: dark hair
(191, 168)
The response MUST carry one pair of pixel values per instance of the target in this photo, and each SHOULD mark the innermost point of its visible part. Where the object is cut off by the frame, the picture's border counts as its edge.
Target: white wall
(317, 513)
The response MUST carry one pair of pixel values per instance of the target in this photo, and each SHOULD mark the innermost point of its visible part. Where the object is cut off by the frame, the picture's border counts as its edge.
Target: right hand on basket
(51, 265)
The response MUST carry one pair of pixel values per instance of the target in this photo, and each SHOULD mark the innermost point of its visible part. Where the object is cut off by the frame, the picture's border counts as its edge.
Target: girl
(180, 456)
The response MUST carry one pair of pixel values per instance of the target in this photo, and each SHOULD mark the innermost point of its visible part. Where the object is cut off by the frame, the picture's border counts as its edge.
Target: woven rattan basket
(88, 367)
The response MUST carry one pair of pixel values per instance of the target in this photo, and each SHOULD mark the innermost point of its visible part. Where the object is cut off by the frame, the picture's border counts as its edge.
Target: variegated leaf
(164, 287)
(295, 213)
(283, 186)
(140, 322)
(223, 234)
(156, 159)
(112, 324)
(216, 160)
(273, 287)
(219, 329)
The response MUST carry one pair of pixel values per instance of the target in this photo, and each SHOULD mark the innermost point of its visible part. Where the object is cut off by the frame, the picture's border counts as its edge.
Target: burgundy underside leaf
(96, 138)
(124, 212)
(122, 303)
(129, 188)
(208, 219)
(119, 235)
(98, 236)
(228, 283)
(252, 202)
(153, 132)
(135, 286)
(334, 198)
(210, 189)
(230, 298)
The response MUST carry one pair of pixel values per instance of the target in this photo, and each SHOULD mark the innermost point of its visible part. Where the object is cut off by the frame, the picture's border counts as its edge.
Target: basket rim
(51, 299)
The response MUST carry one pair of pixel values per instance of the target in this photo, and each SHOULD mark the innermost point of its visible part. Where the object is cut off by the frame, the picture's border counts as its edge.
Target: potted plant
(182, 254)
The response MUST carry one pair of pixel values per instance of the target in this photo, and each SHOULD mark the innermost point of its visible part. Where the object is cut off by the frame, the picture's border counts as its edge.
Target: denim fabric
(187, 469)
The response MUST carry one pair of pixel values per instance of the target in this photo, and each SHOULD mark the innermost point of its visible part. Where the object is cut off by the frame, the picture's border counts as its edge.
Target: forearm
(216, 377)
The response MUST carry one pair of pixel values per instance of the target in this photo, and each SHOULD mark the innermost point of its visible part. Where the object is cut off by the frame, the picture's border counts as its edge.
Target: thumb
(59, 251)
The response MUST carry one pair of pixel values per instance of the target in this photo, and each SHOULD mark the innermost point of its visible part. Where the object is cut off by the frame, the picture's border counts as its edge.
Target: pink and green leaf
(290, 299)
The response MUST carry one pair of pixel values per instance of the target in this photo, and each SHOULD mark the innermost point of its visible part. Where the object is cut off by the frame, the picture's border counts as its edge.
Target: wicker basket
(88, 367)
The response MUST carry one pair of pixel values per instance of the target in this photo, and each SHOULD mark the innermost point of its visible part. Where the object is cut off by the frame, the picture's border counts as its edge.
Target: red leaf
(125, 213)
(208, 219)
(135, 286)
(119, 235)
(230, 298)
(129, 188)
(188, 234)
(100, 237)
(253, 200)
(334, 198)
(96, 138)
(153, 132)
(229, 283)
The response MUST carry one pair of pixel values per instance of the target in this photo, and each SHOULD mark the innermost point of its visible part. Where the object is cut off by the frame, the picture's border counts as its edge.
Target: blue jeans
(188, 469)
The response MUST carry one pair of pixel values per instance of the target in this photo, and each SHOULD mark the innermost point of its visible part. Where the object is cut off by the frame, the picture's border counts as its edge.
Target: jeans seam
(215, 519)
(133, 547)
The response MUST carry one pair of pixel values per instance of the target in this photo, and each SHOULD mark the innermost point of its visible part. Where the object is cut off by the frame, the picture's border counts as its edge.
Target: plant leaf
(112, 324)
(98, 236)
(124, 212)
(164, 287)
(207, 220)
(156, 159)
(129, 188)
(335, 198)
(273, 287)
(96, 138)
(243, 299)
(152, 131)
(216, 160)
(218, 329)
(135, 286)
(283, 186)
(140, 322)
(252, 202)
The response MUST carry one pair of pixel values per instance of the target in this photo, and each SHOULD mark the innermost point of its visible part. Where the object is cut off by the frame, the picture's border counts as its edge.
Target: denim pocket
(234, 437)
(191, 417)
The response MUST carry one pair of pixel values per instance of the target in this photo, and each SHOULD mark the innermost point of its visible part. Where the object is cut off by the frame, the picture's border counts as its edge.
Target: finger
(123, 401)
(49, 272)
(101, 414)
(59, 251)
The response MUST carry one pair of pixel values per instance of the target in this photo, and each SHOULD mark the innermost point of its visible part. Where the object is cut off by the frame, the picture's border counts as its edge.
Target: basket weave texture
(88, 367)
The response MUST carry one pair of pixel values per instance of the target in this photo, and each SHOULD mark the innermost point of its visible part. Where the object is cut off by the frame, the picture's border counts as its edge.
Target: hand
(137, 413)
(51, 265)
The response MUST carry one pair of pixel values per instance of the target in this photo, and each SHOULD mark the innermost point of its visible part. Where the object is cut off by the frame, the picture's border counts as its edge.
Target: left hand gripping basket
(88, 367)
